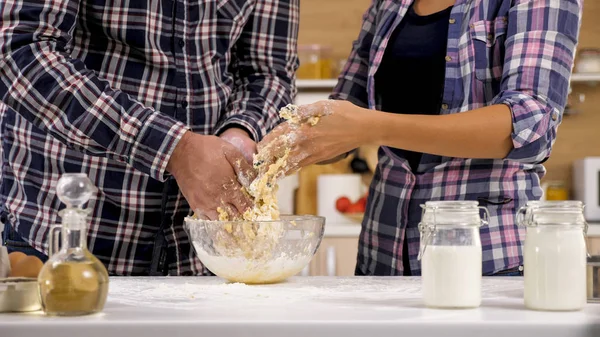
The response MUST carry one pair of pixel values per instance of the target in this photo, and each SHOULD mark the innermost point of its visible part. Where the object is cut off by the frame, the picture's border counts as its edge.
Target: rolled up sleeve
(540, 47)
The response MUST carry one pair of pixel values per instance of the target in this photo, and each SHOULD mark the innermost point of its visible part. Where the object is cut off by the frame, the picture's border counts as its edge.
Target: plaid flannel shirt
(107, 88)
(514, 52)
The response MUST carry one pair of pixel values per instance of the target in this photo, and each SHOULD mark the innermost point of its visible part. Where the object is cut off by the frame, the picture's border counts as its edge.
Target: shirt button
(445, 106)
(184, 104)
(521, 268)
(490, 37)
(181, 43)
(452, 21)
(448, 58)
(554, 116)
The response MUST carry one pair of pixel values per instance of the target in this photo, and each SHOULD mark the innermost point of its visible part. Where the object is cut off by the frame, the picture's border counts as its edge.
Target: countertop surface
(303, 306)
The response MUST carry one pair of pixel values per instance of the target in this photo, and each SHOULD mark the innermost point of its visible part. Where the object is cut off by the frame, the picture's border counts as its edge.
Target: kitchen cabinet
(593, 239)
(594, 245)
(336, 257)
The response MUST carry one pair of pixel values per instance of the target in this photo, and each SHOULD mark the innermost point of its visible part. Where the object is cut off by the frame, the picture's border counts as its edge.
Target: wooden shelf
(316, 84)
(581, 78)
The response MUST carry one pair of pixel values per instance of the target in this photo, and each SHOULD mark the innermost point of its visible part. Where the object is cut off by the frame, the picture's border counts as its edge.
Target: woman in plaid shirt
(465, 98)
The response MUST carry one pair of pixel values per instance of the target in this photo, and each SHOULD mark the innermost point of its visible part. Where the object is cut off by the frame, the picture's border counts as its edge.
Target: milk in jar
(554, 255)
(451, 254)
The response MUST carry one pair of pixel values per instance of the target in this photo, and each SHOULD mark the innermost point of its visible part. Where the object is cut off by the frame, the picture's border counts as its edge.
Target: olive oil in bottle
(73, 281)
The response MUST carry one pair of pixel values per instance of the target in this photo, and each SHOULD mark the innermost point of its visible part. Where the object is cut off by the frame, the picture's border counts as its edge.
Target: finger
(232, 210)
(211, 215)
(241, 141)
(198, 214)
(248, 151)
(241, 203)
(297, 159)
(242, 169)
(276, 149)
(227, 211)
(278, 131)
(318, 109)
(235, 196)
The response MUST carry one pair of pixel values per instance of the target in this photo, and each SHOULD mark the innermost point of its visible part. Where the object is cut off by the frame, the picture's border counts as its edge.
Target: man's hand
(208, 171)
(242, 141)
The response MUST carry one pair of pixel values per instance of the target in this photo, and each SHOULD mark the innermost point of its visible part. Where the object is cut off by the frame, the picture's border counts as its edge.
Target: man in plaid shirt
(132, 94)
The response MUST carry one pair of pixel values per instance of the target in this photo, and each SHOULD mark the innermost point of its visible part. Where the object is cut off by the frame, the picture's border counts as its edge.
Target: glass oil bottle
(72, 282)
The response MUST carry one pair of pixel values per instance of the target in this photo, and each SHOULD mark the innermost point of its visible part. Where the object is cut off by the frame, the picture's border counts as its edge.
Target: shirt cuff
(155, 144)
(534, 127)
(245, 122)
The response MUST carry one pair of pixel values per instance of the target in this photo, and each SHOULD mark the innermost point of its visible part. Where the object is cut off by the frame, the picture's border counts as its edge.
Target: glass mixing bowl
(256, 252)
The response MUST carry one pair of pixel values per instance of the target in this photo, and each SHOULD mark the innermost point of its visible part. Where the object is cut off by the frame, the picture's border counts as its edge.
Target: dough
(290, 113)
(255, 235)
(263, 190)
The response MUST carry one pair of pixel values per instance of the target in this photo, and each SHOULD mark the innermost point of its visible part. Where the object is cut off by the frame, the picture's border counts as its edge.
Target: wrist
(236, 131)
(179, 152)
(374, 126)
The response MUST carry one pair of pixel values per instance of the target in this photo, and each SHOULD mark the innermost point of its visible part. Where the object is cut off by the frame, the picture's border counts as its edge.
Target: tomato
(362, 202)
(342, 204)
(355, 208)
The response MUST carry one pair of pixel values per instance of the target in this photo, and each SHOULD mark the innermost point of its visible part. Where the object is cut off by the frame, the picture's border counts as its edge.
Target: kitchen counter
(303, 306)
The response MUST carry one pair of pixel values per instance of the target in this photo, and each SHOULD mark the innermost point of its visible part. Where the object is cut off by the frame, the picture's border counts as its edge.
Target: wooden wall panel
(331, 22)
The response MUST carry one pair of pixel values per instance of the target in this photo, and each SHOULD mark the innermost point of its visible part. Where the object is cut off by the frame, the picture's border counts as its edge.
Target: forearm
(480, 133)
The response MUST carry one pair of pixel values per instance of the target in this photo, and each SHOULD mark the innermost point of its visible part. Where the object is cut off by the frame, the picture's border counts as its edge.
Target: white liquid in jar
(555, 269)
(452, 276)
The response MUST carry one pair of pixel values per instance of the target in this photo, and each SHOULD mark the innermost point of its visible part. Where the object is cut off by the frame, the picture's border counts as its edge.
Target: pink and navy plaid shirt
(108, 87)
(514, 52)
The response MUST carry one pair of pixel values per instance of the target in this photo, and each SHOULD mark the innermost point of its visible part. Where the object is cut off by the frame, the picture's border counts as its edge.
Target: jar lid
(552, 213)
(449, 213)
(555, 204)
(452, 204)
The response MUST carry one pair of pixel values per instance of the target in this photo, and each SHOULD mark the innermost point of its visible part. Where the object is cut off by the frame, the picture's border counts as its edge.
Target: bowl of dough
(256, 252)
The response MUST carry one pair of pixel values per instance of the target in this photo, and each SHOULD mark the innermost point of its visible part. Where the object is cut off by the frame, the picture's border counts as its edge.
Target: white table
(302, 307)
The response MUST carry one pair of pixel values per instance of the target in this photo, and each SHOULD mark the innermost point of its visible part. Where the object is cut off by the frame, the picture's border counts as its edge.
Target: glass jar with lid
(556, 190)
(555, 255)
(311, 65)
(450, 253)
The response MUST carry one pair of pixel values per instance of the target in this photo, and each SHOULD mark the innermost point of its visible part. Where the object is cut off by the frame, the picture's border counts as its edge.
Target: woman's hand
(340, 127)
